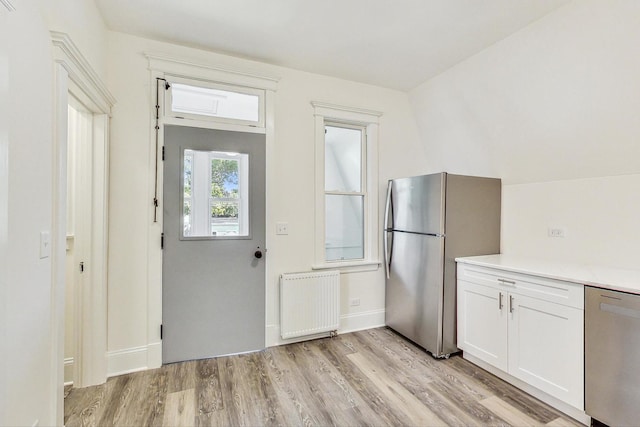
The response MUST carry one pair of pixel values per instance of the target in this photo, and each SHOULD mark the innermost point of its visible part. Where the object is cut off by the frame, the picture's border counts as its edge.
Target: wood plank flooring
(373, 378)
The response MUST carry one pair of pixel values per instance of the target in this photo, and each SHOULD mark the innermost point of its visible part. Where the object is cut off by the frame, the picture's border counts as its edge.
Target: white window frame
(169, 113)
(328, 114)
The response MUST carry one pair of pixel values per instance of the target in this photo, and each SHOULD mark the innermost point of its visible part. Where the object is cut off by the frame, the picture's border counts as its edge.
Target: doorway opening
(79, 131)
(233, 102)
(82, 194)
(74, 78)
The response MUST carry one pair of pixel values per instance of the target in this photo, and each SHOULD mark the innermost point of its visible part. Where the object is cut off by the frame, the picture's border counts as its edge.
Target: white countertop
(619, 279)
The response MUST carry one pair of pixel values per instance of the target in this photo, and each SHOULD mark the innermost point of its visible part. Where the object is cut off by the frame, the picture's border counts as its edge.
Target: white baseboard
(348, 323)
(68, 370)
(575, 413)
(141, 358)
(361, 321)
(154, 355)
(127, 360)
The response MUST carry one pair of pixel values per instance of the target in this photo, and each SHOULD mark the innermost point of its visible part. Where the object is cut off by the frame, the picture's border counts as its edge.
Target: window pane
(344, 235)
(224, 178)
(215, 194)
(342, 159)
(224, 218)
(186, 211)
(214, 102)
(187, 187)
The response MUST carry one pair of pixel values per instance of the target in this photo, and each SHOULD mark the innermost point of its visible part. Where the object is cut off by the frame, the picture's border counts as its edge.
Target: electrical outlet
(354, 302)
(557, 232)
(282, 228)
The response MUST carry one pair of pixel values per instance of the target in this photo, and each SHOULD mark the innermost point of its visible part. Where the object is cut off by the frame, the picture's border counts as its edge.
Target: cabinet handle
(503, 281)
(500, 301)
(510, 303)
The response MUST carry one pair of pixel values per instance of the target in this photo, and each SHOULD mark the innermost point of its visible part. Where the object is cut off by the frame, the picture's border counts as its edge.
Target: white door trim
(73, 73)
(160, 66)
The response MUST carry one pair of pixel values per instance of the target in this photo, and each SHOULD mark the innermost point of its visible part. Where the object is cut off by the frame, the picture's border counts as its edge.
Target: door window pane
(343, 159)
(344, 236)
(187, 186)
(215, 196)
(224, 218)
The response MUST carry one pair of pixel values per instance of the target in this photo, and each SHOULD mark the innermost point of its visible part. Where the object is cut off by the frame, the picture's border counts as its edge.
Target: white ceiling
(392, 43)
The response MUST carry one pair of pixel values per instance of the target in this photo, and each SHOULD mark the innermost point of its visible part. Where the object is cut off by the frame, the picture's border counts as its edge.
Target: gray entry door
(213, 268)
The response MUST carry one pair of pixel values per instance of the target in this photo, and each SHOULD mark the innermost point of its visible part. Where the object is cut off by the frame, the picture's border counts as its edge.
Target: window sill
(348, 267)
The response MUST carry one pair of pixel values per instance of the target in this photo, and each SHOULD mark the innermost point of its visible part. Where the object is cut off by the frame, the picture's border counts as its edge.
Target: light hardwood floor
(373, 378)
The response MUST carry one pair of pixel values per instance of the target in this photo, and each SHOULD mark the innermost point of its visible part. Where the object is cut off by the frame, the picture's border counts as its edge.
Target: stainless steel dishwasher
(612, 357)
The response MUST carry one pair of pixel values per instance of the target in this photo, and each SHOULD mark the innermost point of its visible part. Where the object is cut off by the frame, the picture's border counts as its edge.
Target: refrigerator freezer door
(414, 289)
(417, 204)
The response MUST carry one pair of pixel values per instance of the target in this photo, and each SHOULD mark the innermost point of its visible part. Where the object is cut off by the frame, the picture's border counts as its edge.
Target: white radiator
(309, 303)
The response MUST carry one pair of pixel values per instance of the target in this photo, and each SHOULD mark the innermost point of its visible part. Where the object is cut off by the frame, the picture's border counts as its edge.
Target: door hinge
(161, 240)
(160, 331)
(82, 267)
(163, 153)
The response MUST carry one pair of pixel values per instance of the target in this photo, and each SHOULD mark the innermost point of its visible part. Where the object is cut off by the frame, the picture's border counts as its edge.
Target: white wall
(600, 216)
(82, 21)
(27, 337)
(25, 144)
(552, 110)
(134, 273)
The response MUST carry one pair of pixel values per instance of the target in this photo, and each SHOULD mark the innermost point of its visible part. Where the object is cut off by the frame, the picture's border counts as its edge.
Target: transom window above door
(215, 194)
(208, 101)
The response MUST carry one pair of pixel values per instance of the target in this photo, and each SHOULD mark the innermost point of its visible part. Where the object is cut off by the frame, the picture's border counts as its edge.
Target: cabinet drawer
(543, 288)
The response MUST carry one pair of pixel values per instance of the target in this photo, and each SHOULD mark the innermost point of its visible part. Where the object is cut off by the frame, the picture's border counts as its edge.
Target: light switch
(45, 244)
(282, 228)
(557, 232)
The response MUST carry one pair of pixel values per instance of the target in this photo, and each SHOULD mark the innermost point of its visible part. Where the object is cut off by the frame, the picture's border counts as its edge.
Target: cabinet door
(482, 323)
(546, 347)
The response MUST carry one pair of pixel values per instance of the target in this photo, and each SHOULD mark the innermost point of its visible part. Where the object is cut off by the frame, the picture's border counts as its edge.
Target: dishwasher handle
(619, 310)
(615, 302)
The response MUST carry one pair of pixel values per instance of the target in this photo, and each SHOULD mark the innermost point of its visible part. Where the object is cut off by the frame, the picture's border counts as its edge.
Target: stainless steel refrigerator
(429, 221)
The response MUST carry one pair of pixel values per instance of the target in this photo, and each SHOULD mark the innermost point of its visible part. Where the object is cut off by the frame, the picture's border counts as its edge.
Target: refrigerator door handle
(387, 206)
(387, 258)
(385, 240)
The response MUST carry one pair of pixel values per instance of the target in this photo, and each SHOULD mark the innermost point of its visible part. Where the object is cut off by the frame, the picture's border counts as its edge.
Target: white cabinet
(546, 347)
(482, 323)
(530, 327)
